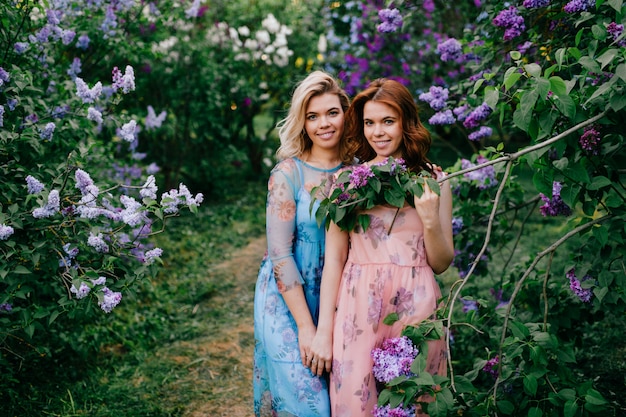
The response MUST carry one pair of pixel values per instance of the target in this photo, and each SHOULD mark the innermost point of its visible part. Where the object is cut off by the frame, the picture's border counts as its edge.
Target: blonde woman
(286, 302)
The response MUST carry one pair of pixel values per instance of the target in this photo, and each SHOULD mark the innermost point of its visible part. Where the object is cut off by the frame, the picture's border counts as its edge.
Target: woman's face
(324, 121)
(382, 127)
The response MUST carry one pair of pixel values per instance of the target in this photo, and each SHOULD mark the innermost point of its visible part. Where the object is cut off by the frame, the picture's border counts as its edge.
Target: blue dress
(295, 256)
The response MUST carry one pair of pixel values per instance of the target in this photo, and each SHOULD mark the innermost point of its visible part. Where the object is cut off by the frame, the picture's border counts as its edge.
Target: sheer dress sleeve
(283, 185)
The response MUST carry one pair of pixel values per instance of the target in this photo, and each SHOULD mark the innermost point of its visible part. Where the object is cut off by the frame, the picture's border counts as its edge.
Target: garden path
(227, 353)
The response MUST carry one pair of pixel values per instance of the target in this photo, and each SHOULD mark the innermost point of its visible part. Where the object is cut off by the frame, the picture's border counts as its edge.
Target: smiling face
(382, 127)
(324, 121)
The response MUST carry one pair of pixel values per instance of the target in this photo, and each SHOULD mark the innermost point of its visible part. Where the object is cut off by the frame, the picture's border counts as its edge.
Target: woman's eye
(311, 117)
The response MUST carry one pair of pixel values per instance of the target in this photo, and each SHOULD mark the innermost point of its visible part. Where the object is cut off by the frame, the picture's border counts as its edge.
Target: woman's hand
(305, 338)
(427, 206)
(321, 354)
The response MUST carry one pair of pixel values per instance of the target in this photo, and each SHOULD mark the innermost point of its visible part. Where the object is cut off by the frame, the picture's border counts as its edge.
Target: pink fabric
(384, 273)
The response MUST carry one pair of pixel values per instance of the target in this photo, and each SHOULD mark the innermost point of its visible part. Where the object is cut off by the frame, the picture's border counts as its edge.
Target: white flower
(263, 37)
(271, 24)
(244, 31)
(322, 44)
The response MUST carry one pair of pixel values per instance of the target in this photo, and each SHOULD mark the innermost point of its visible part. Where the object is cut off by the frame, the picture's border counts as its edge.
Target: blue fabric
(282, 385)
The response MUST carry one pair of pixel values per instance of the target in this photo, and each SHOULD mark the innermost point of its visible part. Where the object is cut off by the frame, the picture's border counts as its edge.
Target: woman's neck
(321, 158)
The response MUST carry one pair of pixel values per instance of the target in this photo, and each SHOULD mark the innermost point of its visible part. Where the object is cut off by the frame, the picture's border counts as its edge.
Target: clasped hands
(318, 357)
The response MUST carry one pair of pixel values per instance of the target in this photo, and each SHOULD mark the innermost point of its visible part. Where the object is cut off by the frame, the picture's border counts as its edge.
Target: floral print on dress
(295, 256)
(385, 273)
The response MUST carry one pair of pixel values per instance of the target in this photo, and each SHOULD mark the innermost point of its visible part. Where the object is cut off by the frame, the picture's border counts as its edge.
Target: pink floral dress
(385, 273)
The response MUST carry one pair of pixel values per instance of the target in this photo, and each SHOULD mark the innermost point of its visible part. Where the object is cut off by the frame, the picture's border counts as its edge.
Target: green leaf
(558, 86)
(589, 64)
(492, 95)
(534, 70)
(535, 412)
(511, 79)
(530, 385)
(570, 409)
(618, 100)
(20, 269)
(567, 394)
(607, 57)
(391, 319)
(616, 4)
(566, 105)
(620, 71)
(570, 193)
(594, 397)
(606, 87)
(506, 407)
(542, 180)
(524, 113)
(599, 182)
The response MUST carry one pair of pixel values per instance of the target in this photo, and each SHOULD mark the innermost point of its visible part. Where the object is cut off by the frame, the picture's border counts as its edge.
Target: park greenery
(105, 104)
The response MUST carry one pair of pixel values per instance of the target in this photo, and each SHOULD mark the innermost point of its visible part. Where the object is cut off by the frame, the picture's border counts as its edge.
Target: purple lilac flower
(4, 76)
(97, 242)
(457, 225)
(67, 36)
(429, 6)
(75, 68)
(393, 358)
(152, 255)
(491, 367)
(476, 116)
(124, 82)
(554, 206)
(590, 140)
(94, 114)
(21, 47)
(153, 168)
(511, 21)
(110, 23)
(59, 112)
(535, 4)
(194, 10)
(172, 199)
(83, 181)
(131, 215)
(435, 97)
(81, 292)
(498, 296)
(461, 112)
(5, 231)
(399, 411)
(585, 294)
(51, 208)
(1, 115)
(483, 132)
(391, 20)
(149, 189)
(85, 93)
(485, 176)
(99, 281)
(47, 132)
(83, 42)
(110, 300)
(5, 307)
(442, 118)
(449, 50)
(398, 166)
(469, 305)
(576, 6)
(34, 185)
(616, 31)
(12, 103)
(127, 132)
(360, 175)
(152, 120)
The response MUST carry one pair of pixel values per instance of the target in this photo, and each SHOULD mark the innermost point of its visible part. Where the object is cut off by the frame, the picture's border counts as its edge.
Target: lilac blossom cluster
(585, 294)
(457, 225)
(511, 22)
(576, 6)
(107, 301)
(491, 367)
(450, 50)
(436, 97)
(6, 231)
(554, 206)
(388, 411)
(393, 358)
(590, 140)
(485, 177)
(616, 30)
(5, 308)
(391, 20)
(535, 4)
(468, 305)
(173, 199)
(359, 175)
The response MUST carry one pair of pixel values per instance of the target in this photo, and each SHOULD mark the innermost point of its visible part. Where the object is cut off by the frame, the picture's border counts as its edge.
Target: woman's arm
(281, 230)
(435, 211)
(335, 256)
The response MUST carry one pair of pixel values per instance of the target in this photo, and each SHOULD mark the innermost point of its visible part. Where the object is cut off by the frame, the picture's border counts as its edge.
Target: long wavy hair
(416, 139)
(293, 139)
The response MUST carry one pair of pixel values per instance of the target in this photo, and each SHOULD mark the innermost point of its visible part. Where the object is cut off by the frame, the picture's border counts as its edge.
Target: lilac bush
(76, 240)
(516, 90)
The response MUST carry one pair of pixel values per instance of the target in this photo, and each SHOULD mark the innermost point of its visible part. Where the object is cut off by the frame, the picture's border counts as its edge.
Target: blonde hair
(293, 139)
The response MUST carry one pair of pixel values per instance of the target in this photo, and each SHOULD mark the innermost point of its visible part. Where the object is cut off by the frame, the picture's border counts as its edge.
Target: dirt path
(226, 364)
